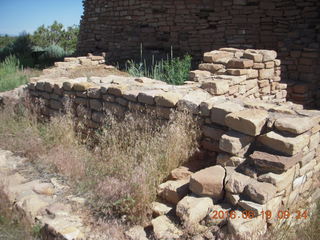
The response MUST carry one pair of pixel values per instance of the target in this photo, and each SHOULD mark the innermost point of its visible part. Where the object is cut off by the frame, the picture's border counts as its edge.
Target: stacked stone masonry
(119, 27)
(262, 154)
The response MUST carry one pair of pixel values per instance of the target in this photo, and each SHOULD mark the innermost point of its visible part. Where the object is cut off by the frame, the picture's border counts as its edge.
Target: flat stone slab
(294, 125)
(287, 145)
(233, 142)
(249, 121)
(208, 182)
(267, 162)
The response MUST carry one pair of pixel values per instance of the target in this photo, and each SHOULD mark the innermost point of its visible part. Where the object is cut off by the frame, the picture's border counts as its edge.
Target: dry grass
(120, 170)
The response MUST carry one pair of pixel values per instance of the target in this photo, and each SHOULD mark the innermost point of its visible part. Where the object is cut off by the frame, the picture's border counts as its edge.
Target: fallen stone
(44, 189)
(173, 191)
(136, 233)
(180, 173)
(160, 209)
(236, 182)
(233, 142)
(250, 121)
(260, 192)
(163, 228)
(192, 210)
(244, 229)
(256, 208)
(233, 199)
(294, 125)
(215, 216)
(267, 162)
(208, 182)
(287, 145)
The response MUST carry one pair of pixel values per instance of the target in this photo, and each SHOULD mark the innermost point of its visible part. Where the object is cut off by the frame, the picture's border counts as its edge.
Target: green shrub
(10, 74)
(173, 71)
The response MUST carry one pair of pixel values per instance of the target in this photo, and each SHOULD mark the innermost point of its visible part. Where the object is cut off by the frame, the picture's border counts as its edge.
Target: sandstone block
(296, 125)
(236, 182)
(216, 209)
(199, 75)
(180, 173)
(82, 86)
(216, 87)
(208, 182)
(256, 208)
(260, 192)
(213, 133)
(266, 73)
(192, 100)
(241, 228)
(225, 159)
(280, 181)
(205, 107)
(214, 56)
(220, 111)
(253, 55)
(267, 162)
(233, 199)
(237, 72)
(173, 191)
(233, 142)
(268, 55)
(167, 99)
(287, 145)
(250, 121)
(160, 209)
(192, 210)
(136, 233)
(163, 228)
(147, 97)
(240, 63)
(211, 67)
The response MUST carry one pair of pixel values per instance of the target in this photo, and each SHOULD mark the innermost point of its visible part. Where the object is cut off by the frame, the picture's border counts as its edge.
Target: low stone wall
(264, 156)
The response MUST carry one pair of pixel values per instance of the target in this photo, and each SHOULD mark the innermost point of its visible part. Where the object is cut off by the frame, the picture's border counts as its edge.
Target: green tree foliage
(56, 34)
(6, 40)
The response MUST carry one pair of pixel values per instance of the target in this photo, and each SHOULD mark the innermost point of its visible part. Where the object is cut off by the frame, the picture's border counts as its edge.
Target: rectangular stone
(249, 121)
(286, 145)
(220, 111)
(267, 162)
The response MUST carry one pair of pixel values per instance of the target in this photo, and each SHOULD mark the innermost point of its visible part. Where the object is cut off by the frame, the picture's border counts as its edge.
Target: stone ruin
(262, 152)
(290, 27)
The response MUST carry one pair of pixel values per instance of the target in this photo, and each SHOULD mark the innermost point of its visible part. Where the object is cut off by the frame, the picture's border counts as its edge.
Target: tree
(56, 34)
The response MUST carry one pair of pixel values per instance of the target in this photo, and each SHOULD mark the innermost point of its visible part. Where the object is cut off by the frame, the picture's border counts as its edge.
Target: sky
(17, 16)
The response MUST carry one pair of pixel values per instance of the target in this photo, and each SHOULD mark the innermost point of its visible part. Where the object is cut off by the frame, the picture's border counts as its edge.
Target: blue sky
(17, 16)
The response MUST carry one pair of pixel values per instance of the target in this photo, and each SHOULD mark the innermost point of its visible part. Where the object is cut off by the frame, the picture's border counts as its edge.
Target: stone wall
(237, 73)
(196, 26)
(261, 155)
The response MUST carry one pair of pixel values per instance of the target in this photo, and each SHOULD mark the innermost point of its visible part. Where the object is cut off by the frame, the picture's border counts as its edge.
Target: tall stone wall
(196, 26)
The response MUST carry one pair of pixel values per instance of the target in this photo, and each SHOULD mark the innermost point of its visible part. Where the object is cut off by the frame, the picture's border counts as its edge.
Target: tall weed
(11, 75)
(172, 70)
